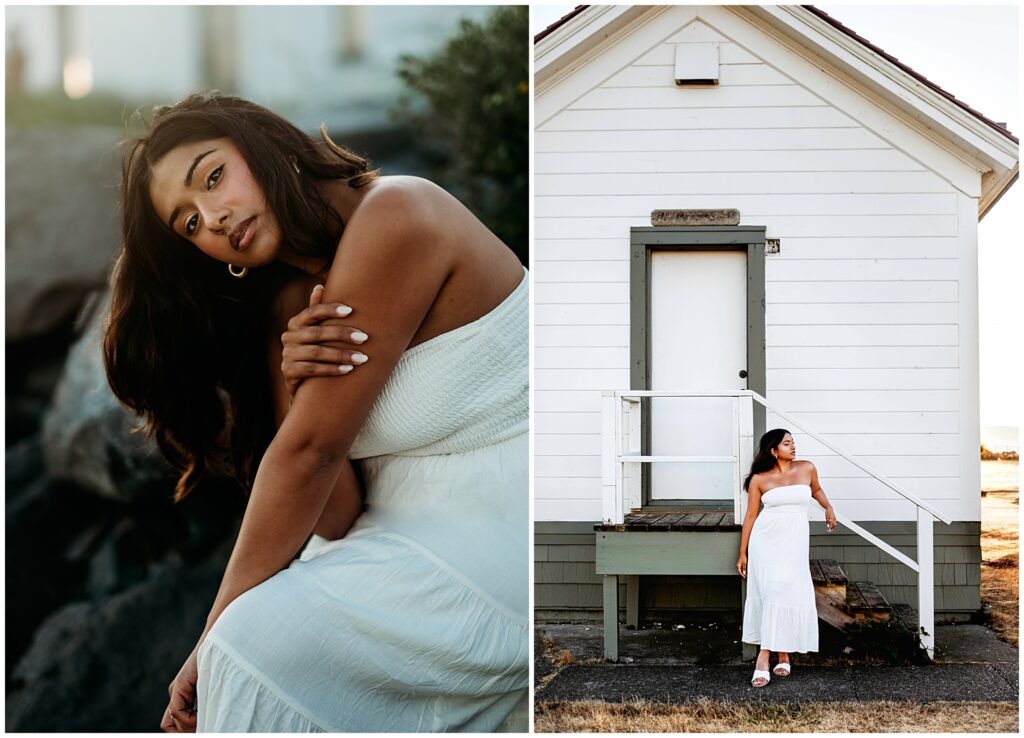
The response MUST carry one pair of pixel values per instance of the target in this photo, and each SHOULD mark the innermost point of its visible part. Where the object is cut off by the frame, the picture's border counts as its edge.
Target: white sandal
(782, 669)
(760, 675)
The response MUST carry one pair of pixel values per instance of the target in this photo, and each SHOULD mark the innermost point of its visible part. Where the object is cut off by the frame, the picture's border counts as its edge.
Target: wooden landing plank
(641, 521)
(689, 520)
(666, 522)
(711, 520)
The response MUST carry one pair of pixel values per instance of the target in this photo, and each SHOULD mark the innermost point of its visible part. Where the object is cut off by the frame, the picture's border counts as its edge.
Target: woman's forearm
(821, 499)
(288, 498)
(343, 506)
(748, 525)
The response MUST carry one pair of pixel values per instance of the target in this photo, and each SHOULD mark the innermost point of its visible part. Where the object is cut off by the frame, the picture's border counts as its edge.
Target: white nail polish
(359, 358)
(344, 310)
(344, 369)
(359, 336)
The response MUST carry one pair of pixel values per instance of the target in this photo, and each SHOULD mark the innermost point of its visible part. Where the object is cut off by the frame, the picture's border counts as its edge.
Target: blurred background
(108, 584)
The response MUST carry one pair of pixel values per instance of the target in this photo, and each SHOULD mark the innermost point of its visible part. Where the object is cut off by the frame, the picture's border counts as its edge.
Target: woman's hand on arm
(819, 494)
(312, 348)
(753, 508)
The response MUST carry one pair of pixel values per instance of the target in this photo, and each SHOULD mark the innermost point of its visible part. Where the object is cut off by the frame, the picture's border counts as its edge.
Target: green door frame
(645, 240)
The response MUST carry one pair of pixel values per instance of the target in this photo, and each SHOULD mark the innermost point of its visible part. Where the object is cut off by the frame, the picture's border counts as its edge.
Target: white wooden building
(846, 296)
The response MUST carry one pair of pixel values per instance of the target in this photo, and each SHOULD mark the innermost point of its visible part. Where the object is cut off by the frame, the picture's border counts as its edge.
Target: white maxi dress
(417, 620)
(780, 614)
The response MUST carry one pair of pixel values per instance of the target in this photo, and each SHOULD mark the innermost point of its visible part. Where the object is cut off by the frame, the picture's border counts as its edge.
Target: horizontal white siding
(864, 314)
(640, 206)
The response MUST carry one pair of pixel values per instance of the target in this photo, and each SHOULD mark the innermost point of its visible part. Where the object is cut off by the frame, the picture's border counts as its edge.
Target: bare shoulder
(406, 203)
(805, 464)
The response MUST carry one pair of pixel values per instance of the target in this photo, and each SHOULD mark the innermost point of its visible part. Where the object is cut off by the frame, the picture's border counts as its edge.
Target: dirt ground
(717, 717)
(1000, 546)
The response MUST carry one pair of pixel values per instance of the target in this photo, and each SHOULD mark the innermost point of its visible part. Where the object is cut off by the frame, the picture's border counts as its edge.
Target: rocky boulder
(104, 666)
(88, 437)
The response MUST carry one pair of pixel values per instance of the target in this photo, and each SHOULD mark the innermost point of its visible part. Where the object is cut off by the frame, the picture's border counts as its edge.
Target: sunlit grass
(812, 717)
(1000, 548)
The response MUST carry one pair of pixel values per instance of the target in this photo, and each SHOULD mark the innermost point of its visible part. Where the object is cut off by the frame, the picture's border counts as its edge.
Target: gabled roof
(996, 150)
(852, 34)
(916, 75)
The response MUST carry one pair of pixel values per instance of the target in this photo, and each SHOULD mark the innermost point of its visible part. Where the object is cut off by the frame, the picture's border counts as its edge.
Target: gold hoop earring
(239, 274)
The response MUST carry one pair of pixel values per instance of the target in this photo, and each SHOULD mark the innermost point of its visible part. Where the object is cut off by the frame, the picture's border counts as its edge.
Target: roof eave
(990, 148)
(577, 34)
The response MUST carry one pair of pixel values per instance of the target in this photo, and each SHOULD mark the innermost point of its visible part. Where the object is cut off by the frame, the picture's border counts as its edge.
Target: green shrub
(477, 116)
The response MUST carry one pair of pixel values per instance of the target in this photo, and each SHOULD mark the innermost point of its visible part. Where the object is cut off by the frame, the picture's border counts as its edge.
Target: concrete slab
(1011, 673)
(965, 643)
(705, 643)
(680, 684)
(622, 683)
(694, 643)
(703, 660)
(936, 683)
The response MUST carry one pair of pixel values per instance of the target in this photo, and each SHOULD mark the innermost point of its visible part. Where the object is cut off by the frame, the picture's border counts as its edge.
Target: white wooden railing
(622, 457)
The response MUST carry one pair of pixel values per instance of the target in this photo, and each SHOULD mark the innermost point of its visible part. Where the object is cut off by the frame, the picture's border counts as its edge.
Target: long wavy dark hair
(186, 344)
(763, 459)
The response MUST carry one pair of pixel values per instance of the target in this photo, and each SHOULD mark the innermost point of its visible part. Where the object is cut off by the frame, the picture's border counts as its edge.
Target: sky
(983, 73)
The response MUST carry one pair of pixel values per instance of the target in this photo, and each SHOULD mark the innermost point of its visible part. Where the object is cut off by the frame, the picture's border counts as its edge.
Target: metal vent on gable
(696, 64)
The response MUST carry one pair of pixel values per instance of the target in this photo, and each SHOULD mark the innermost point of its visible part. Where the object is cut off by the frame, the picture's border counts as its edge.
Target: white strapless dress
(780, 614)
(417, 620)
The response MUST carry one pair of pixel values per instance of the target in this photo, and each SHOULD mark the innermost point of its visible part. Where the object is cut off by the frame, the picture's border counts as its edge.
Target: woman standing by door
(780, 614)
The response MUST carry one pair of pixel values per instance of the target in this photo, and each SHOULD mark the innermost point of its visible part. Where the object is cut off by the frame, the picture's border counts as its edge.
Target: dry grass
(813, 717)
(1000, 547)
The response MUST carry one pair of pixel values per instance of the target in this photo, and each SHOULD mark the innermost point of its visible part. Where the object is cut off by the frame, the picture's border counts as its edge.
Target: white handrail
(899, 555)
(877, 475)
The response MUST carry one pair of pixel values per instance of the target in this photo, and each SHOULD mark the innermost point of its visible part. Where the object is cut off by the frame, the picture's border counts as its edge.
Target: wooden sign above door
(725, 217)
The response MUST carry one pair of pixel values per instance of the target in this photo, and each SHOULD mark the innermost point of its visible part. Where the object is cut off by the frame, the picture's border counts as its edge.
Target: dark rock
(121, 561)
(24, 417)
(88, 437)
(39, 523)
(61, 223)
(105, 665)
(23, 465)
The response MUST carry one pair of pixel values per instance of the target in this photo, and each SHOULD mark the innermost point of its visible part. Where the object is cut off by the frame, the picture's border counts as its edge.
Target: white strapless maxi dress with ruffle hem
(417, 620)
(780, 614)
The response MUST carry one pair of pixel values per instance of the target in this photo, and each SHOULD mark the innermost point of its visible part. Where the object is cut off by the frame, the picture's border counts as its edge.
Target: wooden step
(865, 602)
(827, 573)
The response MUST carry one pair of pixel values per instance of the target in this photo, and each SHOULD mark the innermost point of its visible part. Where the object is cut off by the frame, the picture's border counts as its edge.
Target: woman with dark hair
(780, 614)
(410, 615)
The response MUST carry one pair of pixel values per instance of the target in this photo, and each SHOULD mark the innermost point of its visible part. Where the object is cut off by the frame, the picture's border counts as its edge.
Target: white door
(698, 341)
